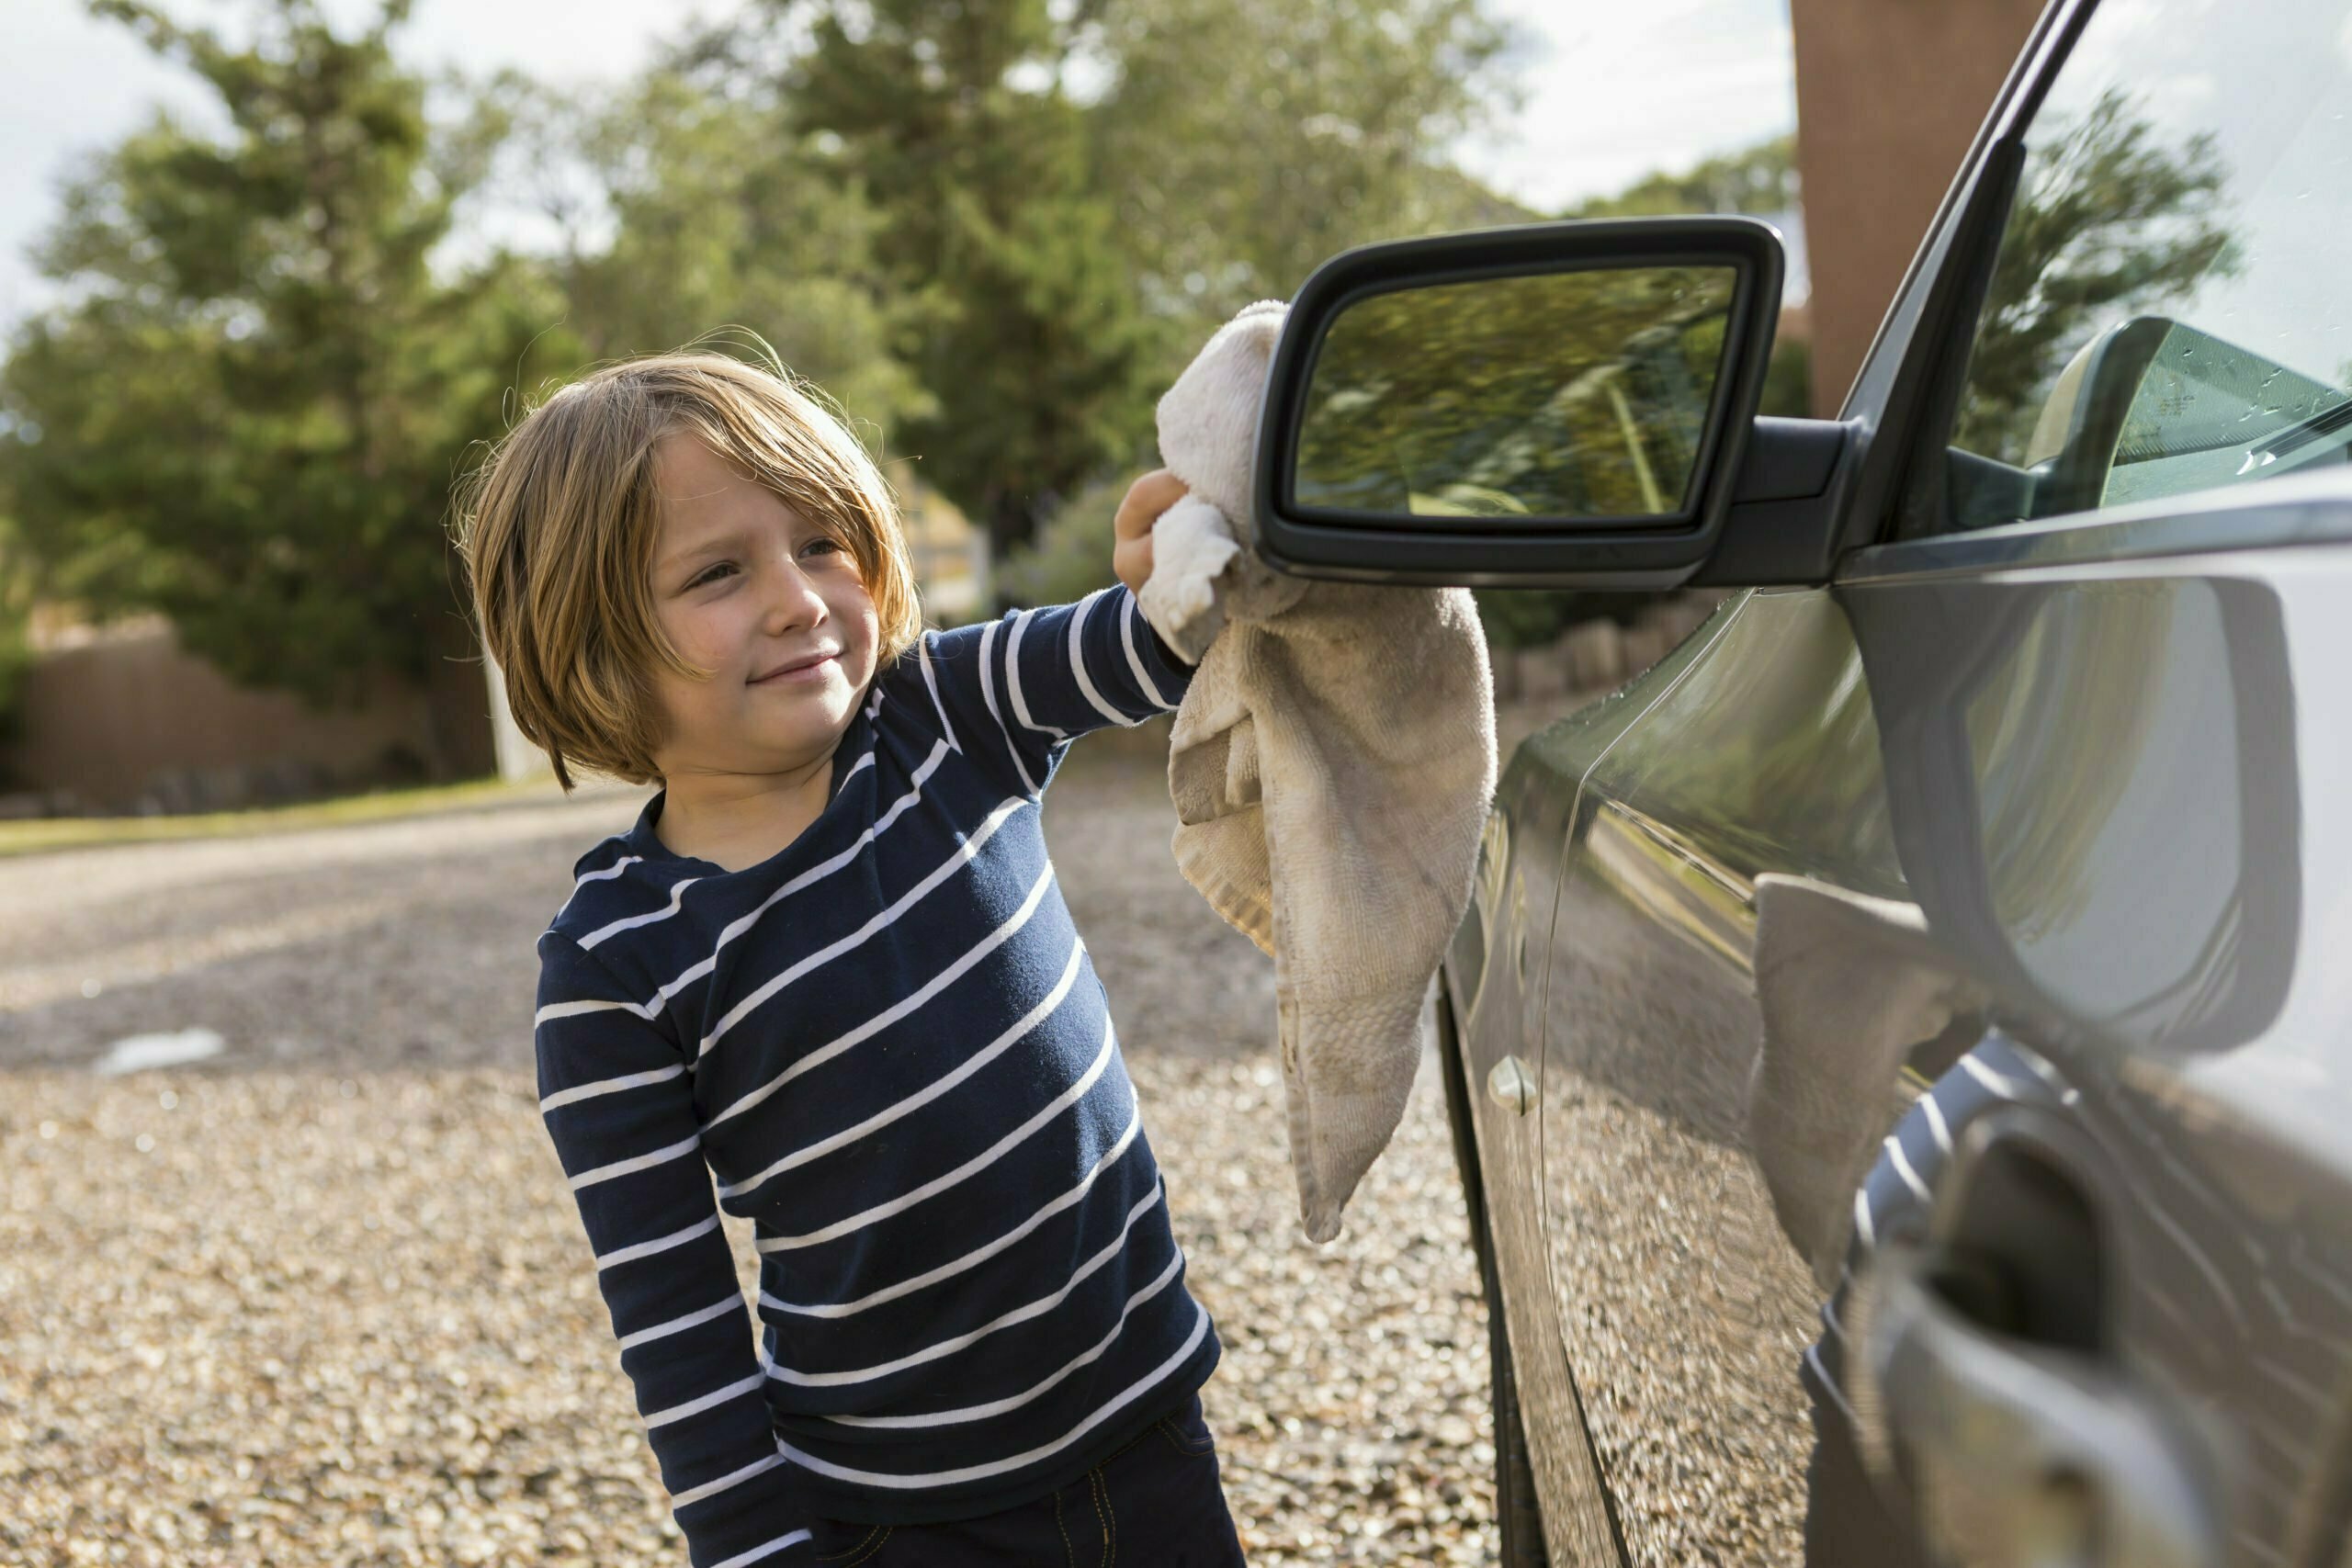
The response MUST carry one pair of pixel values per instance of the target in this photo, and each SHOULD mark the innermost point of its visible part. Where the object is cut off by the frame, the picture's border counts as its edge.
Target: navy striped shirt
(887, 1045)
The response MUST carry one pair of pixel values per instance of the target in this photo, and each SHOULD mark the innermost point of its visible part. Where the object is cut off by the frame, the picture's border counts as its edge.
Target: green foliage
(718, 216)
(2107, 219)
(1788, 381)
(1069, 555)
(1761, 180)
(248, 413)
(1532, 617)
(1570, 395)
(20, 582)
(1017, 318)
(1062, 251)
(1239, 169)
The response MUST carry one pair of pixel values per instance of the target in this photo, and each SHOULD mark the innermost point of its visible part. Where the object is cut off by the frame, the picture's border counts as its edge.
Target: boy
(831, 965)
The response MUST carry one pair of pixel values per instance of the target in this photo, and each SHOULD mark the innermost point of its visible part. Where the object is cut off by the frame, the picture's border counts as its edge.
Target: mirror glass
(1576, 395)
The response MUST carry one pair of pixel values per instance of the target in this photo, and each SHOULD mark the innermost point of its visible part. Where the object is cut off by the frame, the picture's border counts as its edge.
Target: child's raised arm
(617, 1100)
(1014, 692)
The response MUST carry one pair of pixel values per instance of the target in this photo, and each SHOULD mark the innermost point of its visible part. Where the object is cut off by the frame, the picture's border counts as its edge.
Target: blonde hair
(558, 524)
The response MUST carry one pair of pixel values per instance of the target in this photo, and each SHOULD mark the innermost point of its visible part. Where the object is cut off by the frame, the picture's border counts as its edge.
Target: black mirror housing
(1632, 553)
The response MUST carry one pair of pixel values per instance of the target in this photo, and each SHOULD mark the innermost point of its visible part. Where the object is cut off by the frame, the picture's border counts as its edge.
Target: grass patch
(376, 806)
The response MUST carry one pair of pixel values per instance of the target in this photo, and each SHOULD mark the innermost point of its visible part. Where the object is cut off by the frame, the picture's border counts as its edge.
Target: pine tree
(248, 412)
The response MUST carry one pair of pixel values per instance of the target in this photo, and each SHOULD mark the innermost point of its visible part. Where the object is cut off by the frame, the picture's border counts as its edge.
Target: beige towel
(1332, 764)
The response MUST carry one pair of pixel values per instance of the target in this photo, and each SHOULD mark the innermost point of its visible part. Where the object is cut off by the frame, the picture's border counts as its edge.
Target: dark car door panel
(2077, 811)
(1684, 1311)
(1497, 974)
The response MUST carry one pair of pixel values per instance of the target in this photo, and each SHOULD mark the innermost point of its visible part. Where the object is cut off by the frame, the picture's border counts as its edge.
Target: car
(1899, 1048)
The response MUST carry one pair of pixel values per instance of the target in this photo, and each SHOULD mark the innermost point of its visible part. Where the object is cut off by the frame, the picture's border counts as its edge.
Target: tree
(1761, 180)
(713, 215)
(1013, 312)
(1073, 196)
(1237, 170)
(249, 411)
(2107, 219)
(20, 583)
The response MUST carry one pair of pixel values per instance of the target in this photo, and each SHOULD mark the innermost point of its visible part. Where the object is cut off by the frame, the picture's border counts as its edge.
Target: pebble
(319, 1328)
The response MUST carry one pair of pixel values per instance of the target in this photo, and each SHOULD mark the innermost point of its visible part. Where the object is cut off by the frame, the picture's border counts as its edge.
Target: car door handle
(2016, 1453)
(1511, 1086)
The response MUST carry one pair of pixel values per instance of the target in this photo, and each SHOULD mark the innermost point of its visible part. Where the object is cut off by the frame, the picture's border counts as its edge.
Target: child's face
(743, 585)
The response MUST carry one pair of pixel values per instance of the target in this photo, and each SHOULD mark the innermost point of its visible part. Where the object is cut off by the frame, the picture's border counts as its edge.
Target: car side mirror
(1554, 403)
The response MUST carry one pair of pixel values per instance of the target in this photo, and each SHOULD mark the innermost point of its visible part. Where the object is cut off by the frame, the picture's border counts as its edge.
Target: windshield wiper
(2295, 437)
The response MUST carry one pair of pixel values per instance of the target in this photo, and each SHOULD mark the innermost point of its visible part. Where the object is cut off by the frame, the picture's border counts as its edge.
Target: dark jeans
(1155, 1504)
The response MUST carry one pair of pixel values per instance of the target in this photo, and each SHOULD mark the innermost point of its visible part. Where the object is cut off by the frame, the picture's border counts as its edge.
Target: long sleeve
(617, 1100)
(1015, 691)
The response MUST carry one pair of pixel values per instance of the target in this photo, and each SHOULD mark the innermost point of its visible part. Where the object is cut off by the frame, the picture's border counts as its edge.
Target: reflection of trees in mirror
(2108, 220)
(1565, 395)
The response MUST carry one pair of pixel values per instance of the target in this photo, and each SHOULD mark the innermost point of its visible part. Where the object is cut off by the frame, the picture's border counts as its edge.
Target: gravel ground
(320, 1298)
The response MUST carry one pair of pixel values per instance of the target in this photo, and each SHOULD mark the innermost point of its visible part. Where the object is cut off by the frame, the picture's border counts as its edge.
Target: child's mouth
(813, 671)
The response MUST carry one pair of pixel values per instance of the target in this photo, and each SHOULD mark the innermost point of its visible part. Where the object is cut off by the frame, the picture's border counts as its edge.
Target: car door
(1944, 1074)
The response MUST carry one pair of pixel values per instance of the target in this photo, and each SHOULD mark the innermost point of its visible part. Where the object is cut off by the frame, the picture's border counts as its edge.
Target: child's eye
(826, 543)
(708, 575)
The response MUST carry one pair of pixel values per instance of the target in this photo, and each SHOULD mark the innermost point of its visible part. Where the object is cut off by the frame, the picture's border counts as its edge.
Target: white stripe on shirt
(887, 1017)
(1015, 1401)
(1135, 659)
(680, 1324)
(1998, 1082)
(693, 1495)
(1078, 660)
(630, 1167)
(978, 1255)
(612, 870)
(608, 1086)
(930, 1091)
(766, 1550)
(677, 902)
(1020, 619)
(980, 1161)
(554, 1010)
(621, 1255)
(1102, 1413)
(696, 1406)
(988, 695)
(922, 650)
(1022, 1313)
(1902, 1163)
(945, 869)
(1937, 1125)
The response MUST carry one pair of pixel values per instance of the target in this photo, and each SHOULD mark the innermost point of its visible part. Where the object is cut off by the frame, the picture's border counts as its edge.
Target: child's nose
(793, 599)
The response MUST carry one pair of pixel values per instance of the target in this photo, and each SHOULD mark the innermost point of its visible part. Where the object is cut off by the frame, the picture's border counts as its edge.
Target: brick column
(1889, 96)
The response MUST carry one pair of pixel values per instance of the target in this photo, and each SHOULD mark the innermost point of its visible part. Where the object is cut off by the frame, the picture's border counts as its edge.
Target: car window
(2167, 311)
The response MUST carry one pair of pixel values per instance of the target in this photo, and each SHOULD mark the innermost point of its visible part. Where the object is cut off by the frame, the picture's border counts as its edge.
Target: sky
(1614, 91)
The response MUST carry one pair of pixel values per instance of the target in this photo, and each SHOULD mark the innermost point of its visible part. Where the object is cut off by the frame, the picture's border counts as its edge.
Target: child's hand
(1145, 499)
